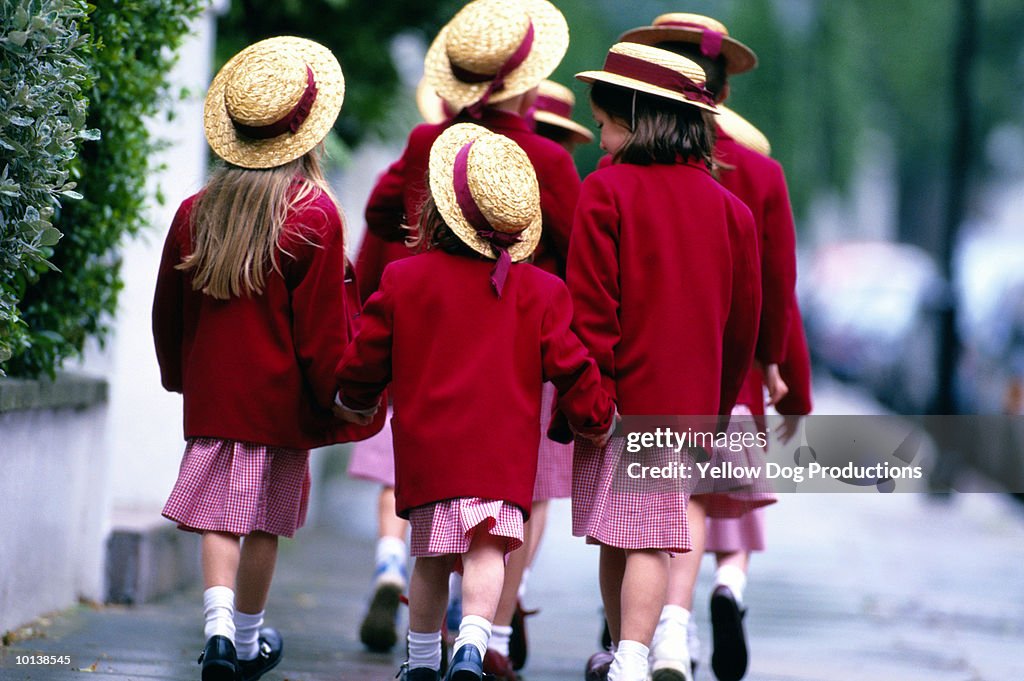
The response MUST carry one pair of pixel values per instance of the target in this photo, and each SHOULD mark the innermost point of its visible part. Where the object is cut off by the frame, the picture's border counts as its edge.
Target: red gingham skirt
(746, 533)
(554, 460)
(733, 497)
(447, 526)
(610, 507)
(239, 488)
(373, 459)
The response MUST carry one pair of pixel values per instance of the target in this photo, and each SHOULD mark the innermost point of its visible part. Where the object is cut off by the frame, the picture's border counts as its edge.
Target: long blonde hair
(238, 219)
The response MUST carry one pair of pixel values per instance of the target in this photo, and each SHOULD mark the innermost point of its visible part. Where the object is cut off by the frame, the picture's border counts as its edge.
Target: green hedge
(42, 120)
(131, 45)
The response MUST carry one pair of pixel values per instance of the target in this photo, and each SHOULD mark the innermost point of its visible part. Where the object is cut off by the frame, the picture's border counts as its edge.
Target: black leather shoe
(728, 640)
(418, 674)
(466, 665)
(598, 666)
(271, 648)
(219, 660)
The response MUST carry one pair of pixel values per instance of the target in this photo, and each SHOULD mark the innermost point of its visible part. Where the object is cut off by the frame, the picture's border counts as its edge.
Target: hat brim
(641, 86)
(550, 42)
(442, 188)
(580, 134)
(743, 131)
(738, 57)
(246, 152)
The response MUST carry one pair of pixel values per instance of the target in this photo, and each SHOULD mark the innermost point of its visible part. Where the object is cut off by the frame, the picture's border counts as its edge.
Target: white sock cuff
(219, 612)
(628, 647)
(219, 596)
(244, 619)
(424, 649)
(675, 613)
(500, 637)
(474, 630)
(732, 577)
(390, 547)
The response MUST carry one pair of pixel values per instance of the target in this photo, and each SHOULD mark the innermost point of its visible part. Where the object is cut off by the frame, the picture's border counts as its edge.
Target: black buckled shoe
(271, 648)
(219, 660)
(466, 665)
(417, 674)
(729, 642)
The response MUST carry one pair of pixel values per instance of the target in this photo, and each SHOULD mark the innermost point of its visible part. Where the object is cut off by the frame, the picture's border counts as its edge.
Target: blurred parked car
(990, 296)
(871, 311)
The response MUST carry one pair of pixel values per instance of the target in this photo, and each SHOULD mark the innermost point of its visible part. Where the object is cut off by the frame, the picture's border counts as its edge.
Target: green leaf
(50, 236)
(18, 37)
(71, 194)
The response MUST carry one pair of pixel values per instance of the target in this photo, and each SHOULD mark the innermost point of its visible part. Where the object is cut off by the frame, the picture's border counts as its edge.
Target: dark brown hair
(433, 232)
(661, 130)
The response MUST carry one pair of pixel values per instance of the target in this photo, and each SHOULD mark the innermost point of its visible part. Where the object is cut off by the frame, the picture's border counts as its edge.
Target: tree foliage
(131, 47)
(42, 122)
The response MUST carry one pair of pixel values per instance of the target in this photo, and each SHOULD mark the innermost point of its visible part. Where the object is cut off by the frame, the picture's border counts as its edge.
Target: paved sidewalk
(901, 587)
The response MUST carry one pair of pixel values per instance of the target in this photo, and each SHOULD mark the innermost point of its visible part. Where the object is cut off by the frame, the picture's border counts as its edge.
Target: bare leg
(535, 530)
(739, 559)
(643, 594)
(510, 588)
(221, 555)
(612, 567)
(388, 522)
(428, 592)
(684, 567)
(483, 575)
(255, 571)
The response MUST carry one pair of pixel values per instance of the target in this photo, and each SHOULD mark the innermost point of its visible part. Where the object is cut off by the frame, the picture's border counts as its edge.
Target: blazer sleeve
(167, 315)
(592, 274)
(560, 191)
(365, 369)
(581, 398)
(740, 336)
(385, 209)
(321, 321)
(796, 370)
(778, 268)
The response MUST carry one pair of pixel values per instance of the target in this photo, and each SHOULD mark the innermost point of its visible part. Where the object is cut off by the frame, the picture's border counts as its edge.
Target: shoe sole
(729, 642)
(377, 631)
(218, 671)
(668, 675)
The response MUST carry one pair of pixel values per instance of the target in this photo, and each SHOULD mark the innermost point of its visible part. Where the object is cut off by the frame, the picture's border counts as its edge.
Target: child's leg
(611, 568)
(670, 649)
(501, 631)
(255, 573)
(377, 631)
(428, 596)
(221, 553)
(729, 654)
(644, 582)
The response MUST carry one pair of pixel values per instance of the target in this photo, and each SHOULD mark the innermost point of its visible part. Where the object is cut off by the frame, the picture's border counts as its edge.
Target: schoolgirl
(665, 279)
(466, 337)
(249, 319)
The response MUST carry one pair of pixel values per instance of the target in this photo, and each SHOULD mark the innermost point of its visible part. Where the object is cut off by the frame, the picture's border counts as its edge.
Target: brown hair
(433, 232)
(660, 130)
(237, 222)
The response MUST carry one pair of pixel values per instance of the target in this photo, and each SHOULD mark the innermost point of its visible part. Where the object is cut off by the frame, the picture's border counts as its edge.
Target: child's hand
(360, 417)
(602, 439)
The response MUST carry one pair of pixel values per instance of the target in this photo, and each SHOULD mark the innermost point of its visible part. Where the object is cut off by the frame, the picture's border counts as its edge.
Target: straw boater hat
(432, 108)
(486, 190)
(743, 131)
(273, 102)
(655, 71)
(493, 50)
(710, 34)
(554, 106)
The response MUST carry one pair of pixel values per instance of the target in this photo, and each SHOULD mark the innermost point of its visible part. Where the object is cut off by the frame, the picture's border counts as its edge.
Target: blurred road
(900, 587)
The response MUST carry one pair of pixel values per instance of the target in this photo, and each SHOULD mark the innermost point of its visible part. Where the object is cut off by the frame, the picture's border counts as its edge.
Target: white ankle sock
(521, 594)
(391, 557)
(630, 663)
(424, 650)
(474, 630)
(219, 611)
(693, 640)
(734, 578)
(499, 639)
(676, 614)
(247, 634)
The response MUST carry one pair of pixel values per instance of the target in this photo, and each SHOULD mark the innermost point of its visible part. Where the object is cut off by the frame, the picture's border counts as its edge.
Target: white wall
(145, 421)
(53, 510)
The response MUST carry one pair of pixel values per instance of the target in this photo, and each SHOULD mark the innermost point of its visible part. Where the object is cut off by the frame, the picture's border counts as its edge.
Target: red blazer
(466, 370)
(760, 183)
(796, 369)
(665, 278)
(400, 191)
(374, 255)
(260, 369)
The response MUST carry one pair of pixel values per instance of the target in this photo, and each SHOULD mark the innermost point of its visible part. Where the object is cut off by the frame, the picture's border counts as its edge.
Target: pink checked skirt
(732, 497)
(554, 460)
(373, 459)
(610, 506)
(746, 533)
(448, 526)
(239, 488)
